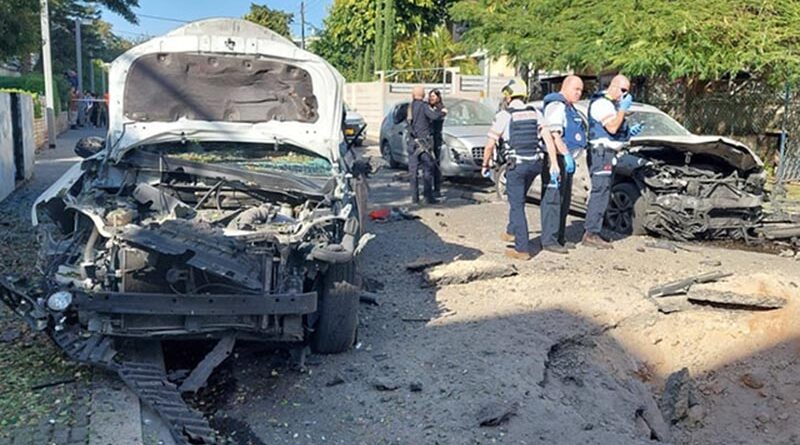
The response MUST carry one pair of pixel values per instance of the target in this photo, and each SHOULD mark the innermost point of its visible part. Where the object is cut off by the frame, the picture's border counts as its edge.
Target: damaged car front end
(220, 203)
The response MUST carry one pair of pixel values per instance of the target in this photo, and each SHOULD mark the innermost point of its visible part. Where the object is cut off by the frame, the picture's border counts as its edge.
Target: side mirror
(89, 146)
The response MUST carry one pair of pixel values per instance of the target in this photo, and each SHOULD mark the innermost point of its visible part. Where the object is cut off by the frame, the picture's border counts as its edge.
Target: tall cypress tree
(388, 35)
(379, 19)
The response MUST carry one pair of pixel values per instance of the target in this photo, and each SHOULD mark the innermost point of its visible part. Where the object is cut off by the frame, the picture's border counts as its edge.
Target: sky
(189, 10)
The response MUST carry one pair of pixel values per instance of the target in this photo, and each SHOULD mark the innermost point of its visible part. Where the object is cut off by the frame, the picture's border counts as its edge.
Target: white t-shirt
(555, 116)
(603, 110)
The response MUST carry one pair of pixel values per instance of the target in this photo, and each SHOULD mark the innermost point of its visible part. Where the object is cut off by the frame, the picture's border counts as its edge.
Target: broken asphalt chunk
(423, 263)
(675, 402)
(496, 413)
(461, 272)
(682, 286)
(385, 384)
(745, 301)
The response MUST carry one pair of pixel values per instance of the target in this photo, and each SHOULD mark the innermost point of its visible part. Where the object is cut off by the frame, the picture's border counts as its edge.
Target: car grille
(477, 155)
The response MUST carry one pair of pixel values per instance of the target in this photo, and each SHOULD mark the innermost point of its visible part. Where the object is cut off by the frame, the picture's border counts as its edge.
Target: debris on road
(199, 375)
(752, 381)
(423, 263)
(415, 387)
(385, 384)
(682, 286)
(369, 298)
(496, 413)
(669, 305)
(387, 214)
(337, 380)
(461, 272)
(734, 299)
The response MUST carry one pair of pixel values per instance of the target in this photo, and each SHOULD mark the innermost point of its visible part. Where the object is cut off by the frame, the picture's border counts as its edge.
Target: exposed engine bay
(689, 195)
(190, 238)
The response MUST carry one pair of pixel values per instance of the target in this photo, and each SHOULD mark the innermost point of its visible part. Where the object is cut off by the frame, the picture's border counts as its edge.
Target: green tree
(351, 25)
(19, 20)
(273, 19)
(711, 39)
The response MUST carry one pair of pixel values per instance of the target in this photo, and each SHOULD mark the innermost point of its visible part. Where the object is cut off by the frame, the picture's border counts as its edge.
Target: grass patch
(27, 361)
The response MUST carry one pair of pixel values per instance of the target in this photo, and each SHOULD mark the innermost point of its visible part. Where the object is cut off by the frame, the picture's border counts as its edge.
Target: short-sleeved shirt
(500, 124)
(555, 116)
(603, 110)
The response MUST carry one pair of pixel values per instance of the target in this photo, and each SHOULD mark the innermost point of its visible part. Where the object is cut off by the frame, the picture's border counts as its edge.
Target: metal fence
(767, 119)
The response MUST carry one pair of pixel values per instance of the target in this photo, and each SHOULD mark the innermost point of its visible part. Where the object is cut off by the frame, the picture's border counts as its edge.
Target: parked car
(220, 201)
(353, 122)
(674, 183)
(464, 136)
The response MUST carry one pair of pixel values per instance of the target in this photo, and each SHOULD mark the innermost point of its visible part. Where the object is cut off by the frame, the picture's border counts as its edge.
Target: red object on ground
(380, 213)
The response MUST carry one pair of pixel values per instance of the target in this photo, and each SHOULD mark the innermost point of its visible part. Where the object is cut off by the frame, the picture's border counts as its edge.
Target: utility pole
(303, 25)
(50, 114)
(78, 57)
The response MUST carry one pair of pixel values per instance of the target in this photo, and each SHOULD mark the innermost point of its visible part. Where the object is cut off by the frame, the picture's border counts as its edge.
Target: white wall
(7, 169)
(28, 140)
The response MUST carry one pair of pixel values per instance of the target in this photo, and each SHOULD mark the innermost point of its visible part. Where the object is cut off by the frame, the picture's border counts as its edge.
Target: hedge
(34, 84)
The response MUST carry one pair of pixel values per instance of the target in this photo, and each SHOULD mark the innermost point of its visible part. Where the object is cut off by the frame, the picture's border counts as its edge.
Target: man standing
(420, 146)
(435, 101)
(568, 133)
(608, 131)
(518, 127)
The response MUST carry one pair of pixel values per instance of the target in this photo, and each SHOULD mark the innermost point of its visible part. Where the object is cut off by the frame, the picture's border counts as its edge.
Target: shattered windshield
(465, 113)
(657, 124)
(252, 157)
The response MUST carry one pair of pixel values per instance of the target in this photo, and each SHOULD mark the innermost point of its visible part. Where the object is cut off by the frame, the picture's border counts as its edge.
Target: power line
(166, 19)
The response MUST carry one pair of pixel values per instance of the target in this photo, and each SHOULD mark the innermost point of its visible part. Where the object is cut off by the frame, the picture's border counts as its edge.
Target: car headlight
(59, 301)
(456, 144)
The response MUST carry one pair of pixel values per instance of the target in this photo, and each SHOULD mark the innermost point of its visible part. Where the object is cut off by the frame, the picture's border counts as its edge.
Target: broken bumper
(167, 315)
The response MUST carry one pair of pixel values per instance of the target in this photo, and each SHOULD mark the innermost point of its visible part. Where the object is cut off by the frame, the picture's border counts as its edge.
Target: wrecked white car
(222, 201)
(676, 184)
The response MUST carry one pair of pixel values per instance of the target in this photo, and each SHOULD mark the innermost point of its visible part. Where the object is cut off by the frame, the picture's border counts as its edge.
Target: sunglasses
(624, 90)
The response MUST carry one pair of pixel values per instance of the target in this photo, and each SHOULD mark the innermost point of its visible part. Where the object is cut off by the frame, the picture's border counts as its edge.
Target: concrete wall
(7, 168)
(372, 100)
(26, 123)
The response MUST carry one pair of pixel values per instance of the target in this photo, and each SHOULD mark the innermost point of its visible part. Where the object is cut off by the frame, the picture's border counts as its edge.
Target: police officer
(568, 133)
(608, 132)
(420, 145)
(518, 127)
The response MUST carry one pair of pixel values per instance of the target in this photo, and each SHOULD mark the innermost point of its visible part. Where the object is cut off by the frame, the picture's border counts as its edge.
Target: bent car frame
(222, 200)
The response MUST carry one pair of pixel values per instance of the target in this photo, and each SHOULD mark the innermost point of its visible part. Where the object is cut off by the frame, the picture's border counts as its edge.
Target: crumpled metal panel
(209, 249)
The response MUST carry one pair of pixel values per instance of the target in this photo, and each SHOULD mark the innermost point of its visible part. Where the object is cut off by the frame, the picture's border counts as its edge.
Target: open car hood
(224, 80)
(737, 154)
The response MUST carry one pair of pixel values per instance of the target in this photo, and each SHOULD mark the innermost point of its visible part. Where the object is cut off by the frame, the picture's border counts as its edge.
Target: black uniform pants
(420, 156)
(565, 192)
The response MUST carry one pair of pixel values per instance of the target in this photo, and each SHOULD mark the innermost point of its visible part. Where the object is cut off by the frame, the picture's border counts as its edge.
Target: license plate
(349, 131)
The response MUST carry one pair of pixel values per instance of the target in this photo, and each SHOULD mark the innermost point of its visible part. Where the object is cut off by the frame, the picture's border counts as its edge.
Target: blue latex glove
(636, 129)
(569, 163)
(626, 101)
(554, 176)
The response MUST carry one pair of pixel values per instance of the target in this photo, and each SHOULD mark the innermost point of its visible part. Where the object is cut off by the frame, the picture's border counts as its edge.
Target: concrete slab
(116, 417)
(28, 142)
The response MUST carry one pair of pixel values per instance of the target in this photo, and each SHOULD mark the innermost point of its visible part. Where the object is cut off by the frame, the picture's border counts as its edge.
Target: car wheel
(386, 154)
(625, 212)
(337, 309)
(499, 178)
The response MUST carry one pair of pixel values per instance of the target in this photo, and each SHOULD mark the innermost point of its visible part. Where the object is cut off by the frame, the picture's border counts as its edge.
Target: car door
(397, 135)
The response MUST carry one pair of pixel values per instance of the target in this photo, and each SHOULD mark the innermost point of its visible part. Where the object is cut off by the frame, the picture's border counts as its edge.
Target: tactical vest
(523, 131)
(574, 133)
(598, 131)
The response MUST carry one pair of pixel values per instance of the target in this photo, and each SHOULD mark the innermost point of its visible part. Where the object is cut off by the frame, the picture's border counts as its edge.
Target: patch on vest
(524, 116)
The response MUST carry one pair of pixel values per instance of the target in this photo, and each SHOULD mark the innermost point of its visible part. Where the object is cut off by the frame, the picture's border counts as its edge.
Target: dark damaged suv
(222, 201)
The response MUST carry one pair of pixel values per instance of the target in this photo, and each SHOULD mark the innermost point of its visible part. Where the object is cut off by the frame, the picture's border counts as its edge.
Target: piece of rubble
(675, 400)
(9, 335)
(385, 384)
(652, 423)
(669, 305)
(727, 298)
(369, 298)
(338, 379)
(496, 413)
(666, 245)
(711, 263)
(752, 381)
(415, 386)
(682, 286)
(461, 272)
(423, 263)
(786, 253)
